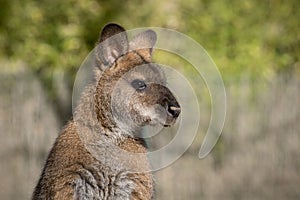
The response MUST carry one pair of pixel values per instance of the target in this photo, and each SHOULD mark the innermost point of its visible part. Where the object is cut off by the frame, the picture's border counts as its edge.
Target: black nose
(174, 110)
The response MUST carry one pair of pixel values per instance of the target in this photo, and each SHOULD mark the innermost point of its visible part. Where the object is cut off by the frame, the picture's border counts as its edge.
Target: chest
(104, 185)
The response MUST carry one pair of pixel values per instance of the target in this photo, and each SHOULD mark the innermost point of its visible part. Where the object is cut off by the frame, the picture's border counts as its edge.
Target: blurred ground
(28, 128)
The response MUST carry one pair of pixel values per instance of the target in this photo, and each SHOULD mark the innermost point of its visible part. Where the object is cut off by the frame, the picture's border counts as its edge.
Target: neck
(94, 127)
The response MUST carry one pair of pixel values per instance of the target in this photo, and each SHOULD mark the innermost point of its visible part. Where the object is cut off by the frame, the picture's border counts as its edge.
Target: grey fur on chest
(97, 185)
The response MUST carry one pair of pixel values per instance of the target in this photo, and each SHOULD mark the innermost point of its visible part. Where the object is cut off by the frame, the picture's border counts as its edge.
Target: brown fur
(98, 154)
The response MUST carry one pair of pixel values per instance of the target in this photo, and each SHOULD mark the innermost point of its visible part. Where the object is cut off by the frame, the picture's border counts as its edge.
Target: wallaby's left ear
(144, 43)
(113, 43)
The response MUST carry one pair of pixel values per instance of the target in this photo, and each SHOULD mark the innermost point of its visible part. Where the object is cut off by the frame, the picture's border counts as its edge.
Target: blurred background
(254, 43)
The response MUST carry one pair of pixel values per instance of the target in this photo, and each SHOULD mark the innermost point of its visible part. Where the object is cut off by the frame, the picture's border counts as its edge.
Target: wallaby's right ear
(113, 43)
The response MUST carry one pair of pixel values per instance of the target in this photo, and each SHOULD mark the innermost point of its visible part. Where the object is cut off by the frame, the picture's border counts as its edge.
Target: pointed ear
(144, 43)
(113, 43)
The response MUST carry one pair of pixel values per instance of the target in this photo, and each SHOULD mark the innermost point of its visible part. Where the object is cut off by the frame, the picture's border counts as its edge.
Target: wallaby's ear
(113, 43)
(144, 43)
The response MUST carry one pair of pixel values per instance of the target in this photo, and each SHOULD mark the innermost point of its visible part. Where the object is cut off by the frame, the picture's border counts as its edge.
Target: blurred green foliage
(253, 37)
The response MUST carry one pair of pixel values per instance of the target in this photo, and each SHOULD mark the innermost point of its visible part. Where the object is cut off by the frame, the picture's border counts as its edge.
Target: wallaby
(100, 154)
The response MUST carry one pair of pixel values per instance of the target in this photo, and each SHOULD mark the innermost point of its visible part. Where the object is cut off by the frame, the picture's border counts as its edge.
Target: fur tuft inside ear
(113, 43)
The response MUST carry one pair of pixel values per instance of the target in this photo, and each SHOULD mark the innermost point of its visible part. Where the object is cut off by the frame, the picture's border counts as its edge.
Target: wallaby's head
(131, 91)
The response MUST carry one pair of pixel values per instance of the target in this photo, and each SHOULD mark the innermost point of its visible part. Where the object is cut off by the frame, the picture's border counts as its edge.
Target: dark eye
(139, 85)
